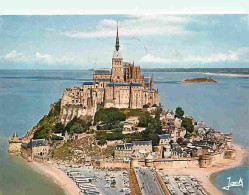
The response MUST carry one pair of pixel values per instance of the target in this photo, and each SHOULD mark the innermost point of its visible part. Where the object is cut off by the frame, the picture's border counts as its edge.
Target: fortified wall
(114, 164)
(196, 162)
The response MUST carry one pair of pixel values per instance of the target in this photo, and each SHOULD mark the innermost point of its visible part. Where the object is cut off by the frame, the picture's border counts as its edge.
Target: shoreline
(241, 153)
(206, 175)
(57, 176)
(190, 82)
(227, 74)
(199, 80)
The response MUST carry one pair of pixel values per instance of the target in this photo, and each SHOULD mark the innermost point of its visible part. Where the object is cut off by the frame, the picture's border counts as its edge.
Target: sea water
(223, 106)
(25, 96)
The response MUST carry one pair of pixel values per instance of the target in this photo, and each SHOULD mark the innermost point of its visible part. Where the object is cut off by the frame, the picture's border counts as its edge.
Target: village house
(177, 152)
(176, 133)
(196, 151)
(36, 148)
(128, 126)
(199, 124)
(178, 123)
(123, 152)
(133, 119)
(170, 115)
(164, 139)
(142, 146)
(166, 153)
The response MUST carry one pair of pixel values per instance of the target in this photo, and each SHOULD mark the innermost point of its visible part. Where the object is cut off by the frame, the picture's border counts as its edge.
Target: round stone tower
(149, 161)
(15, 144)
(205, 161)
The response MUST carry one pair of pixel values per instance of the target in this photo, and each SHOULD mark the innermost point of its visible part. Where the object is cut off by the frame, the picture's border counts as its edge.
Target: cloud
(44, 57)
(58, 60)
(15, 55)
(155, 60)
(239, 55)
(136, 26)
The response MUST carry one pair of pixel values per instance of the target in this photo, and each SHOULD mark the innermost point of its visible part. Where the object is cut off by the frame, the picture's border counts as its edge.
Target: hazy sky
(83, 42)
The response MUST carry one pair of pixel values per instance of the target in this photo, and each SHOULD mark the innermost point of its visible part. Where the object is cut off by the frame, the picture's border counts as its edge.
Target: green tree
(179, 112)
(100, 134)
(157, 113)
(77, 128)
(42, 132)
(144, 119)
(102, 141)
(148, 135)
(78, 125)
(187, 124)
(57, 107)
(58, 128)
(113, 182)
(109, 116)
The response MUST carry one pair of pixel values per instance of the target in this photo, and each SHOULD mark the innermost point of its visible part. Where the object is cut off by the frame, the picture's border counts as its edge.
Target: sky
(151, 41)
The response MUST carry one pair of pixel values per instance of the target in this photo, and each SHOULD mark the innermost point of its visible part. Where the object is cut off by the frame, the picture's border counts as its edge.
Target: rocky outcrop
(68, 112)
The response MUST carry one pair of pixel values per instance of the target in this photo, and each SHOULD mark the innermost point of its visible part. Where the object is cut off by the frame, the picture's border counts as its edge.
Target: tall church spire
(117, 40)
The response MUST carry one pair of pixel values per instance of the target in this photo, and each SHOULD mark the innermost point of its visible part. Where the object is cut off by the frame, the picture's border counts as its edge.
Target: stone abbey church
(122, 86)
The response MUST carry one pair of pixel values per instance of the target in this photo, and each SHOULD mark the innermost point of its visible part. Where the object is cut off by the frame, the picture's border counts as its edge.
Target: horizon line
(90, 69)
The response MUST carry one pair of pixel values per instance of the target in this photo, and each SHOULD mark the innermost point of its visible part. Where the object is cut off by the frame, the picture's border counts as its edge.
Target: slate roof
(88, 83)
(126, 146)
(164, 136)
(37, 143)
(178, 150)
(141, 143)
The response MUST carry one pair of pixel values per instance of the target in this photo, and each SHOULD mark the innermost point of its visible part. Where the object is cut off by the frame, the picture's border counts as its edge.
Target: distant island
(200, 80)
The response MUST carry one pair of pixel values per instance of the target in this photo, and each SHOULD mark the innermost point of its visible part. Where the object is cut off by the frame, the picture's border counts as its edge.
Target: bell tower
(117, 64)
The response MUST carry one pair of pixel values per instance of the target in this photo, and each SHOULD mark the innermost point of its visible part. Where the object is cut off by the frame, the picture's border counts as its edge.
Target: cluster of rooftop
(177, 143)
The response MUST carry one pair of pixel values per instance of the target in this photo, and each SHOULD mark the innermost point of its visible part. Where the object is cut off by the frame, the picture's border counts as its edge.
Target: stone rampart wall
(177, 163)
(114, 164)
(15, 147)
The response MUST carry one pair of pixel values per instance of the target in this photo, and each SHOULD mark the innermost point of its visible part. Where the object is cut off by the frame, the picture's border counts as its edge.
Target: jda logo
(233, 184)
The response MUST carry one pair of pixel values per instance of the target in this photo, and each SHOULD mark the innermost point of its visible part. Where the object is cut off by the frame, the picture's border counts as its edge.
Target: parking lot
(183, 185)
(95, 181)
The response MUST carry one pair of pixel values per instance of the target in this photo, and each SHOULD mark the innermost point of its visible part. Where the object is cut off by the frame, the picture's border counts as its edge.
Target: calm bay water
(25, 96)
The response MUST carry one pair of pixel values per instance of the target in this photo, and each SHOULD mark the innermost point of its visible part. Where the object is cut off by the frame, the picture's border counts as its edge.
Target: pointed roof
(117, 40)
(149, 157)
(15, 134)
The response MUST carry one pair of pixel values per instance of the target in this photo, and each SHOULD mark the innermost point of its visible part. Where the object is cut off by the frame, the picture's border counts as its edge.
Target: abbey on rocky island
(122, 86)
